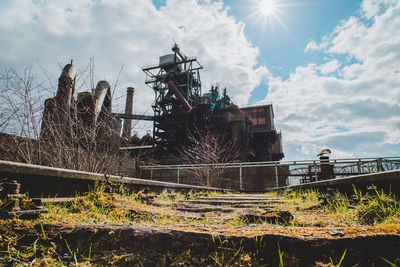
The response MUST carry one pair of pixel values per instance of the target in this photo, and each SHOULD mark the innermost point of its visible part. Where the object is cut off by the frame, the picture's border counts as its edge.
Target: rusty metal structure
(87, 119)
(265, 141)
(180, 110)
(57, 110)
(177, 87)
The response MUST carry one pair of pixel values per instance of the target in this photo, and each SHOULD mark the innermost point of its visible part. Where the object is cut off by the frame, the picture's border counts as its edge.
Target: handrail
(273, 163)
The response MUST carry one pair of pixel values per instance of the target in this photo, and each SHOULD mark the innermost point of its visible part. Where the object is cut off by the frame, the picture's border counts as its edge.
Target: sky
(331, 68)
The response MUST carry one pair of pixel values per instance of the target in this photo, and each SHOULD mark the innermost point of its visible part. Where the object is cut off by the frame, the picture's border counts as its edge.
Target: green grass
(337, 203)
(366, 209)
(139, 209)
(378, 208)
(340, 261)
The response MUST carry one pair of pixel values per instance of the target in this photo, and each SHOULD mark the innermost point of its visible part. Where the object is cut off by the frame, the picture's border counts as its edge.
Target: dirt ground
(206, 229)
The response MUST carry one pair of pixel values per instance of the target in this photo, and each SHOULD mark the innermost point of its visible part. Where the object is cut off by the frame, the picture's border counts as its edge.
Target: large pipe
(126, 132)
(66, 83)
(102, 99)
(179, 95)
(134, 117)
(65, 94)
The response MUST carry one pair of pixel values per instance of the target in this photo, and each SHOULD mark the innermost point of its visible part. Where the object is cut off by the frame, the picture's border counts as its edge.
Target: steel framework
(177, 87)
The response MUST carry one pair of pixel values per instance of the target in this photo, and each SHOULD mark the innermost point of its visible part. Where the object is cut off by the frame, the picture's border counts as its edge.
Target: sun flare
(267, 7)
(268, 13)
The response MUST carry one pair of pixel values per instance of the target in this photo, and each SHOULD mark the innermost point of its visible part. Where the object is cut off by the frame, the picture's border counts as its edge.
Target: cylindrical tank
(134, 140)
(147, 139)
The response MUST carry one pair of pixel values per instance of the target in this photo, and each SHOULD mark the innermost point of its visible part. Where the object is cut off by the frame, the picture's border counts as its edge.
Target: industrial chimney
(126, 132)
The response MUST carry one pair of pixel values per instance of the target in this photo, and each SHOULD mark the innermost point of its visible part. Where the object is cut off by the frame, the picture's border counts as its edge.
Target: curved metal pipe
(178, 94)
(102, 99)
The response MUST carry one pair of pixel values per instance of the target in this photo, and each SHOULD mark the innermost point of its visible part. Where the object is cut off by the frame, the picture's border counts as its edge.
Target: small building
(265, 141)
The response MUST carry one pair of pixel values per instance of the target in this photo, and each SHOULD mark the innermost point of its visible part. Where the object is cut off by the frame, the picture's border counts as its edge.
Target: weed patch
(378, 208)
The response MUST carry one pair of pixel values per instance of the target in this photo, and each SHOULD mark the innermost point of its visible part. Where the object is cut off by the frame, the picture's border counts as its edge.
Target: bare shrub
(77, 146)
(209, 151)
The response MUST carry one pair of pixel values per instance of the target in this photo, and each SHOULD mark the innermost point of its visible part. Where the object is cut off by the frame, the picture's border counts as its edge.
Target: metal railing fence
(252, 175)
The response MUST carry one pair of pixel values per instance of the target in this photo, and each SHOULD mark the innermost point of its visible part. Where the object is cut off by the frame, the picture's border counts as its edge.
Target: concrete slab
(43, 177)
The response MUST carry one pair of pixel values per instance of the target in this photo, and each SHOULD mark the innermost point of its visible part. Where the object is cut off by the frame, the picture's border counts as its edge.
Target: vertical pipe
(65, 94)
(240, 177)
(128, 110)
(276, 175)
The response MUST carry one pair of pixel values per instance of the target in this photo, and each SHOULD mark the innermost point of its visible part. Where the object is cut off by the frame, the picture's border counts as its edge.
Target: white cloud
(350, 105)
(357, 111)
(371, 8)
(133, 33)
(311, 46)
(330, 67)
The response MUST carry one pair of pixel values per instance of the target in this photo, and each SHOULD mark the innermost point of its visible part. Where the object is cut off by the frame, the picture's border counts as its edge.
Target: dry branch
(209, 149)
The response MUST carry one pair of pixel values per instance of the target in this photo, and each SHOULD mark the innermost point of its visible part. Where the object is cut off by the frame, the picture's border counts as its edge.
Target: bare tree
(209, 151)
(74, 146)
(20, 113)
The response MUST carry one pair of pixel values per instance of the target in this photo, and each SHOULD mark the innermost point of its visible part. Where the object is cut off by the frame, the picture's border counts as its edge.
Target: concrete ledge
(16, 170)
(371, 178)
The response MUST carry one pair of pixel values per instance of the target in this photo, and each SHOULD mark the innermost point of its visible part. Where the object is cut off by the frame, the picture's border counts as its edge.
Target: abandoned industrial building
(181, 111)
(207, 169)
(268, 137)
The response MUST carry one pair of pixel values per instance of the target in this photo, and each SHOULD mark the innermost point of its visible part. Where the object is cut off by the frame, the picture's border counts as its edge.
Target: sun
(269, 13)
(267, 7)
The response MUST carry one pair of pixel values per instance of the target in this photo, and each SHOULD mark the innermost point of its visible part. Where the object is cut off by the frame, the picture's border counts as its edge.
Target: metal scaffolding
(177, 87)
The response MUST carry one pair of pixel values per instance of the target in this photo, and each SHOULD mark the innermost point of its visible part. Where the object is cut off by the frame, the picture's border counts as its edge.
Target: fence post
(177, 175)
(208, 177)
(151, 173)
(240, 177)
(379, 165)
(276, 175)
(315, 171)
(359, 166)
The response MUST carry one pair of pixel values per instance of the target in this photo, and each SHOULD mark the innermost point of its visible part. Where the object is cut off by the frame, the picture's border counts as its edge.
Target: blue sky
(282, 47)
(331, 68)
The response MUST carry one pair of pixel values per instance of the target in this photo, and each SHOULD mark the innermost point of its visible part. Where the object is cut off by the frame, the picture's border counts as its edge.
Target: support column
(276, 175)
(240, 177)
(208, 178)
(126, 132)
(315, 171)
